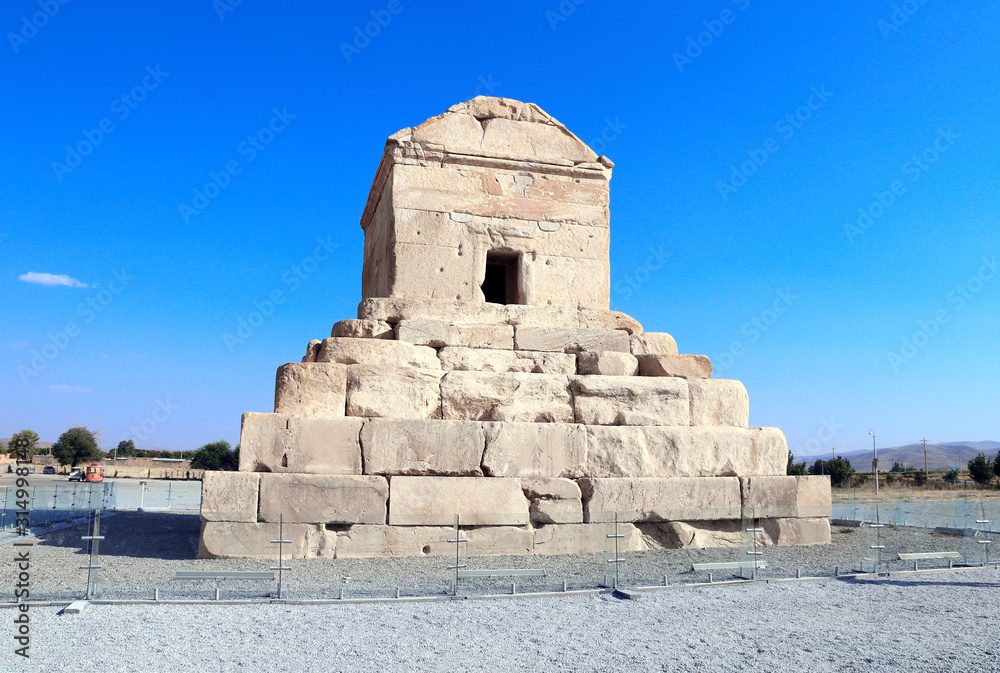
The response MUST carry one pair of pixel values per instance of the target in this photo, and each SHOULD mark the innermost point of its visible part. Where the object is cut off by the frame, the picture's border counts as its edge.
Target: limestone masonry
(485, 376)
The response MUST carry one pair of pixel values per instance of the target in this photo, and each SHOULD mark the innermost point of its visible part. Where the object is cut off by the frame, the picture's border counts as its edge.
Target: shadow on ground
(162, 535)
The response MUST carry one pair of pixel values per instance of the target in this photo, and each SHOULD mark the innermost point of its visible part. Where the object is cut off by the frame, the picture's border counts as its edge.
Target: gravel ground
(143, 550)
(933, 623)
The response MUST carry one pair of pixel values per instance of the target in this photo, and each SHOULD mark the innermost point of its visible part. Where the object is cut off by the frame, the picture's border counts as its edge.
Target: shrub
(980, 469)
(794, 468)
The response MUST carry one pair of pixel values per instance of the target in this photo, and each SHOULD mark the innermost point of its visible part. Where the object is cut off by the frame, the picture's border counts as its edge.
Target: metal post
(457, 541)
(170, 490)
(878, 546)
(281, 541)
(617, 560)
(142, 494)
(871, 432)
(95, 556)
(925, 459)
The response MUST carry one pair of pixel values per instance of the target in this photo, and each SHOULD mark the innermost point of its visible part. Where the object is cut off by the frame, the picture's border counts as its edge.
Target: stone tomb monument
(485, 376)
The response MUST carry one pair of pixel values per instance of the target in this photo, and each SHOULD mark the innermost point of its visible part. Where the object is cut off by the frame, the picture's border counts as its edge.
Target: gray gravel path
(933, 623)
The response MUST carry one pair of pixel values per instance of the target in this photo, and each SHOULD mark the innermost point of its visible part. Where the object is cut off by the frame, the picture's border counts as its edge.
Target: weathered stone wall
(534, 421)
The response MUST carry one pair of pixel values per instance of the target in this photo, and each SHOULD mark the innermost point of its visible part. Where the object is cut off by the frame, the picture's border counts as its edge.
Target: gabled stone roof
(500, 127)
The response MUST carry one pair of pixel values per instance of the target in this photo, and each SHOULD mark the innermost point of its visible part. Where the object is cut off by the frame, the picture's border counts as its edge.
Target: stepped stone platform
(485, 377)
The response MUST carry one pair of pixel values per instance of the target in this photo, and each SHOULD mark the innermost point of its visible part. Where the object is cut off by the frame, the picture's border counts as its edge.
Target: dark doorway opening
(501, 283)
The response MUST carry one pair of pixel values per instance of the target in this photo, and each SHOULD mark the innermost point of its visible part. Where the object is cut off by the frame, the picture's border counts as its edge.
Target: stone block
(308, 444)
(488, 396)
(695, 534)
(682, 451)
(630, 400)
(228, 539)
(229, 496)
(718, 402)
(771, 451)
(813, 497)
(534, 450)
(377, 352)
(585, 538)
(789, 532)
(323, 499)
(652, 343)
(312, 351)
(770, 496)
(393, 392)
(553, 500)
(434, 501)
(422, 447)
(686, 366)
(607, 363)
(569, 339)
(362, 329)
(316, 388)
(650, 499)
(440, 333)
(408, 541)
(486, 360)
(262, 435)
(320, 445)
(394, 309)
(368, 541)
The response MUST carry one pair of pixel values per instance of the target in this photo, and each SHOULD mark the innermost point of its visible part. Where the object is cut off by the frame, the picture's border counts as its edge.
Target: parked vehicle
(76, 475)
(49, 470)
(94, 472)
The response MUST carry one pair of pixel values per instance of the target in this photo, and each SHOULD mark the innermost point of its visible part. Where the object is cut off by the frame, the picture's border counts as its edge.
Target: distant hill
(943, 456)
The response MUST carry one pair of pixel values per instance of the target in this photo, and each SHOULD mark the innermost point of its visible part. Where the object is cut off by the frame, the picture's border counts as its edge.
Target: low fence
(149, 548)
(52, 504)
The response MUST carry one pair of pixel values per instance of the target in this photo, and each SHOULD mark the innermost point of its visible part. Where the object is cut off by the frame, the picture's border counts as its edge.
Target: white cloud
(21, 344)
(69, 389)
(50, 279)
(130, 356)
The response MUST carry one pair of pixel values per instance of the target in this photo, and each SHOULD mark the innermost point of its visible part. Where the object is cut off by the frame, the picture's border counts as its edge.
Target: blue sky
(806, 193)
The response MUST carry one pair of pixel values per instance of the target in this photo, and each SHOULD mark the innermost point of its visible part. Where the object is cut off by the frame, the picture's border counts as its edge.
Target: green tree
(839, 469)
(981, 469)
(126, 449)
(26, 439)
(76, 445)
(216, 456)
(794, 468)
(951, 476)
(920, 478)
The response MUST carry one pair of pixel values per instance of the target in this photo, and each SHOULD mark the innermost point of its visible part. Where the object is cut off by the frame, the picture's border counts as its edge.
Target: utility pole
(925, 457)
(871, 432)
